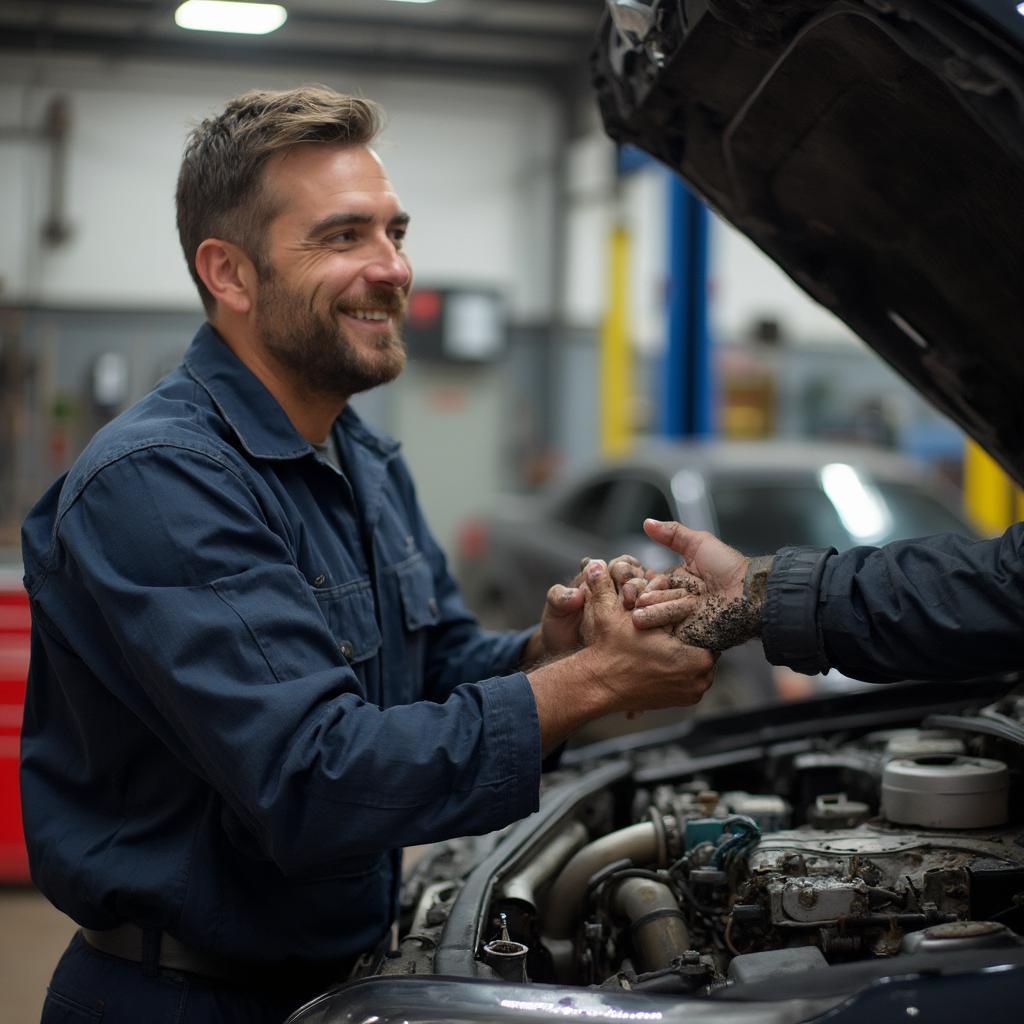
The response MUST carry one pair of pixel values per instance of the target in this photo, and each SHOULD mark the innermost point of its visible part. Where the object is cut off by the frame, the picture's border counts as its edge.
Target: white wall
(473, 164)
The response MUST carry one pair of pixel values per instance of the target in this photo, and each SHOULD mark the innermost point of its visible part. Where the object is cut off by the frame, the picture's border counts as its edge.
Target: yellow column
(991, 499)
(615, 385)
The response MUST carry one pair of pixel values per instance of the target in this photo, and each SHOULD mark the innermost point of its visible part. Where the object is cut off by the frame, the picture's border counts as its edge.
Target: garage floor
(32, 937)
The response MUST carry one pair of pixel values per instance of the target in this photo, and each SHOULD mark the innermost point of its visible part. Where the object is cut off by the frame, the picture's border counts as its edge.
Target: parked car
(757, 496)
(849, 858)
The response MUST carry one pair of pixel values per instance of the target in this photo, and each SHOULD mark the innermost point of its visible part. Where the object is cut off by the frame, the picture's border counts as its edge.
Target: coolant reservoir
(946, 791)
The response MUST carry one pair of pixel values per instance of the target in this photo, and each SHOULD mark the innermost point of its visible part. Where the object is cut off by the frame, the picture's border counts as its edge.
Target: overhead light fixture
(230, 16)
(412, 1)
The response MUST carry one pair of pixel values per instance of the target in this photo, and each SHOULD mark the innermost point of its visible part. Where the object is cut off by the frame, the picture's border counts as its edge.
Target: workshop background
(549, 321)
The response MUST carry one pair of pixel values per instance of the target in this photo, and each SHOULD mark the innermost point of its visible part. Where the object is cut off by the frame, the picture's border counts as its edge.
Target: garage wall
(472, 164)
(745, 285)
(475, 164)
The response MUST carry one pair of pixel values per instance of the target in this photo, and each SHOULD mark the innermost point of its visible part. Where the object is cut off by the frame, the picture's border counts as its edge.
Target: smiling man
(253, 680)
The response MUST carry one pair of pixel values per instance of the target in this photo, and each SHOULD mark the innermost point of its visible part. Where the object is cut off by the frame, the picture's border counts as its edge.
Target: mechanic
(253, 679)
(941, 607)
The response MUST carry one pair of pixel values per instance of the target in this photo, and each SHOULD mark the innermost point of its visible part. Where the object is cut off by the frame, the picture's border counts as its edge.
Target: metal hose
(641, 844)
(657, 928)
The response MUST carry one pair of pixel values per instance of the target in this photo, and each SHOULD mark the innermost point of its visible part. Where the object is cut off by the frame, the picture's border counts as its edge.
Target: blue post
(686, 399)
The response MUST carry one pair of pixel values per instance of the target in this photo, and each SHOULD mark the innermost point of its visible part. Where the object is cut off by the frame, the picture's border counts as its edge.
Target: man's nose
(388, 266)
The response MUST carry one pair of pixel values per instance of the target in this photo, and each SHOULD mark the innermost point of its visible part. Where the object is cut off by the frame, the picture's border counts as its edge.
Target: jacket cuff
(790, 631)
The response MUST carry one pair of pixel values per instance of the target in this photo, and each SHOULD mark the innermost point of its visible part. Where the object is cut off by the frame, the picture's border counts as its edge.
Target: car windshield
(838, 510)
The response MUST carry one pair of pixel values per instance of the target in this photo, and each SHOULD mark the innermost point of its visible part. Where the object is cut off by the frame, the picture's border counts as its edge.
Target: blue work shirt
(253, 679)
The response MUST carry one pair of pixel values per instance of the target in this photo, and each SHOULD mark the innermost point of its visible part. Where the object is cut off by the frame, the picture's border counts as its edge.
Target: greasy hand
(639, 670)
(559, 631)
(625, 571)
(714, 599)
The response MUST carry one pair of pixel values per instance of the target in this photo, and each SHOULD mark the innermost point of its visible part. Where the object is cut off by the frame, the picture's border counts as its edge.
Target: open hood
(873, 149)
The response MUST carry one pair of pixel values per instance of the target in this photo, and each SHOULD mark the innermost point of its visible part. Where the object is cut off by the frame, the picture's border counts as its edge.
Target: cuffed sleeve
(789, 631)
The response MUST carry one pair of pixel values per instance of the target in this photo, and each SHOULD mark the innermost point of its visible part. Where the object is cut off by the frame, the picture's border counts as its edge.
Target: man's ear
(228, 274)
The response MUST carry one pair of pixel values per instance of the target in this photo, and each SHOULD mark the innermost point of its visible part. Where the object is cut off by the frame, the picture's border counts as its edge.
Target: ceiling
(543, 41)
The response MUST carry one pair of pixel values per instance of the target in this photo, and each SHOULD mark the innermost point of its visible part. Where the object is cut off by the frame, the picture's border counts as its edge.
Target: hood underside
(875, 151)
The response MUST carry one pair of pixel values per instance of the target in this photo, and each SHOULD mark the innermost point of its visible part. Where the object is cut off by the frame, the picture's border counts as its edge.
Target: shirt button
(320, 580)
(346, 649)
(432, 607)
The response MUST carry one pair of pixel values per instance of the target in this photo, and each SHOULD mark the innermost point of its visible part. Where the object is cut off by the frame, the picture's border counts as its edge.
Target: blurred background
(573, 303)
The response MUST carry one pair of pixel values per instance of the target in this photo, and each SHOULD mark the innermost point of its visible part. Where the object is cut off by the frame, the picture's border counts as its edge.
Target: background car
(757, 496)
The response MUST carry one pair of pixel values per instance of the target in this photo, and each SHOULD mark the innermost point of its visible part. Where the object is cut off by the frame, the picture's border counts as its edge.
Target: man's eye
(398, 237)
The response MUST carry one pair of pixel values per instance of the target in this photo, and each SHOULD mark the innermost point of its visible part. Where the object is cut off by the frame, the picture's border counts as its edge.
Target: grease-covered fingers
(624, 568)
(669, 612)
(563, 601)
(631, 590)
(649, 597)
(657, 581)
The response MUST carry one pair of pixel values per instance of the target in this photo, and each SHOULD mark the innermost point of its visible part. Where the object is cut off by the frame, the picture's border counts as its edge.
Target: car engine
(746, 868)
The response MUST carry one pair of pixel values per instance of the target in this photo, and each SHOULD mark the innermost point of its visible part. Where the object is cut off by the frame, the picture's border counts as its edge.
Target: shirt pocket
(350, 615)
(416, 589)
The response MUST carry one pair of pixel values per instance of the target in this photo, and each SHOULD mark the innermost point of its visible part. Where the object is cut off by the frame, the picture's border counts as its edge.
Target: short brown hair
(220, 190)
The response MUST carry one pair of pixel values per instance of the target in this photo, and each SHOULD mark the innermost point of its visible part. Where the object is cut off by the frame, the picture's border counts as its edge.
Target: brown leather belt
(129, 942)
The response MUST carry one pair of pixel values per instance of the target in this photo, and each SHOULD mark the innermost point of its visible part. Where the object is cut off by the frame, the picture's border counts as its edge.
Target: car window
(762, 518)
(917, 514)
(587, 509)
(759, 517)
(633, 502)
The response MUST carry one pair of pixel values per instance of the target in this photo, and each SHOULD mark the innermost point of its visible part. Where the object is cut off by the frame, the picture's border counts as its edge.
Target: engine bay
(752, 865)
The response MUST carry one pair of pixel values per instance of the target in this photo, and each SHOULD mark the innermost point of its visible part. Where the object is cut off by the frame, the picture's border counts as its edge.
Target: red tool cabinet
(14, 631)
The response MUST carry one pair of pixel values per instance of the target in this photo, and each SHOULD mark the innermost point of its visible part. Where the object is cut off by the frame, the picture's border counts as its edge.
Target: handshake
(625, 638)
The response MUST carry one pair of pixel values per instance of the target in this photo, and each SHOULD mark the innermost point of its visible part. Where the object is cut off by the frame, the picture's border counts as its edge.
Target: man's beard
(317, 352)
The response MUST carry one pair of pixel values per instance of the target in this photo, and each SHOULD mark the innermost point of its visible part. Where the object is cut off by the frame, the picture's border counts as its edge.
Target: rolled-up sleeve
(213, 638)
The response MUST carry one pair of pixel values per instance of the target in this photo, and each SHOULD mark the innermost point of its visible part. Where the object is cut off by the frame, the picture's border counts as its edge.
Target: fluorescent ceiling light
(420, 1)
(229, 16)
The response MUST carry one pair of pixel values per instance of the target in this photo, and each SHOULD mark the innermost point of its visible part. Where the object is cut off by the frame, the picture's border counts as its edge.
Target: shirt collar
(252, 412)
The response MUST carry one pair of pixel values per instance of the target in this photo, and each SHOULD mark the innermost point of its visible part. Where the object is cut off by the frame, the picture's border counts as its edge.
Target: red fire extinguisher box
(14, 646)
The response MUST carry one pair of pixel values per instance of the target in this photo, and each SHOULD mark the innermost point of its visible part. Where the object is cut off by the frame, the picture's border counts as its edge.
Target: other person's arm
(940, 607)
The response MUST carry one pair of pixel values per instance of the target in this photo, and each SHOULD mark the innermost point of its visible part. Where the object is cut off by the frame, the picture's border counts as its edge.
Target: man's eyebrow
(337, 221)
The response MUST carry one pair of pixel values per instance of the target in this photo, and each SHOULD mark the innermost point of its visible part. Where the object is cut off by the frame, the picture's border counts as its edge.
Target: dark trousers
(90, 987)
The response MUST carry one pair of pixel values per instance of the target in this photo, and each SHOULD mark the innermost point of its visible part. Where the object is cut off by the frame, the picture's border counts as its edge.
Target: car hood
(874, 150)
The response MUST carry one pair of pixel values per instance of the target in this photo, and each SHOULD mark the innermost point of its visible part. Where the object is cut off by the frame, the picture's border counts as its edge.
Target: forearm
(568, 694)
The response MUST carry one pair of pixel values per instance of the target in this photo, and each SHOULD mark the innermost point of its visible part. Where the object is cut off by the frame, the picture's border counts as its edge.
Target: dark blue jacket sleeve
(942, 607)
(212, 637)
